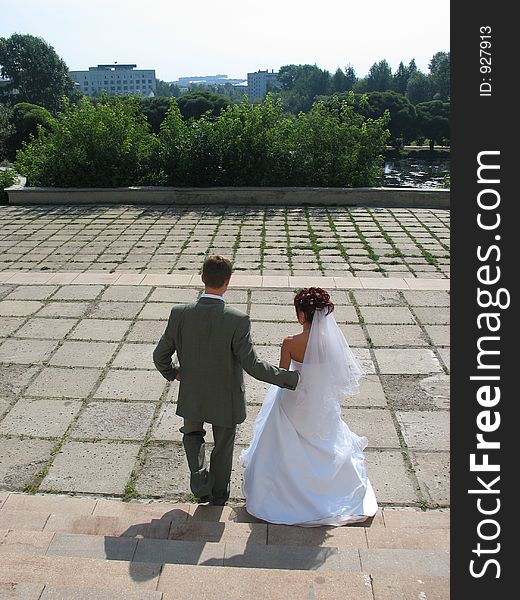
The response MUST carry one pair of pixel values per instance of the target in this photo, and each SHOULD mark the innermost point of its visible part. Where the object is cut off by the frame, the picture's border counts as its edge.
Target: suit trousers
(212, 483)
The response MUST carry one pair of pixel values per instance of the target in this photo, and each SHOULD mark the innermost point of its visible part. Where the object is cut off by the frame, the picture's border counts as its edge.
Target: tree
(36, 73)
(6, 129)
(403, 117)
(107, 144)
(440, 75)
(379, 78)
(166, 89)
(434, 120)
(194, 104)
(301, 84)
(340, 82)
(155, 109)
(419, 88)
(402, 76)
(26, 119)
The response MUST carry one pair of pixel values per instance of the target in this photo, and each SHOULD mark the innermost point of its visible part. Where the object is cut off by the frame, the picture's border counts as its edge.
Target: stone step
(43, 506)
(426, 561)
(71, 578)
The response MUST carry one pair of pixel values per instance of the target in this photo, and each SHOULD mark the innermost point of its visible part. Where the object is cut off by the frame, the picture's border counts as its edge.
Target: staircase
(70, 548)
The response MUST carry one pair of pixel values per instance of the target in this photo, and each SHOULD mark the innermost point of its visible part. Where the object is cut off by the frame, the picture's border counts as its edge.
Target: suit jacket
(213, 346)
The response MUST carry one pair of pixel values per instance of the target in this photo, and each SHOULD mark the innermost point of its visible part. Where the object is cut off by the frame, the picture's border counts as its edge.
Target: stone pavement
(328, 241)
(86, 421)
(83, 409)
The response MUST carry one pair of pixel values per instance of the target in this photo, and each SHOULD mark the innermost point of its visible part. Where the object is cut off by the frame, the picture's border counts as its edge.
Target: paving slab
(433, 473)
(407, 361)
(405, 517)
(10, 324)
(40, 417)
(107, 330)
(83, 354)
(116, 310)
(389, 586)
(433, 315)
(60, 382)
(70, 593)
(91, 467)
(427, 298)
(29, 542)
(146, 331)
(31, 292)
(378, 297)
(425, 430)
(77, 572)
(135, 356)
(432, 563)
(336, 537)
(20, 461)
(19, 308)
(125, 384)
(418, 538)
(47, 328)
(26, 352)
(374, 423)
(393, 314)
(396, 336)
(291, 557)
(92, 546)
(389, 476)
(237, 582)
(114, 420)
(64, 309)
(180, 552)
(21, 590)
(165, 472)
(78, 292)
(371, 394)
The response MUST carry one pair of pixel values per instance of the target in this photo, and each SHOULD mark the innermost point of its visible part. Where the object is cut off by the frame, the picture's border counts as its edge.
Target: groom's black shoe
(204, 500)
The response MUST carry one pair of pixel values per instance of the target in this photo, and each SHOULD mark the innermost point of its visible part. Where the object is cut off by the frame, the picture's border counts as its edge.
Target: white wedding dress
(304, 466)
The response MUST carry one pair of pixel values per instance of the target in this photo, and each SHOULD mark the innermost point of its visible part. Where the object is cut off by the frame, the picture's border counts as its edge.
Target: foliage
(419, 88)
(301, 85)
(166, 89)
(26, 119)
(35, 71)
(155, 109)
(379, 78)
(194, 104)
(257, 145)
(434, 120)
(7, 178)
(402, 76)
(403, 117)
(6, 128)
(440, 75)
(103, 145)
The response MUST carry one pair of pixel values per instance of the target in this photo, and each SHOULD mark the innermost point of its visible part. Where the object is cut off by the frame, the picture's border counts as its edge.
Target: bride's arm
(285, 354)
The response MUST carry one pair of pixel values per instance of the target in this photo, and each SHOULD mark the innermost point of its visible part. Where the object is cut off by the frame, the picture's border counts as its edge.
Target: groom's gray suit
(213, 346)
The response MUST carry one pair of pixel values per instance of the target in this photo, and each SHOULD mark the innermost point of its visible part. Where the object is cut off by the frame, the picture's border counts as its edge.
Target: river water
(416, 172)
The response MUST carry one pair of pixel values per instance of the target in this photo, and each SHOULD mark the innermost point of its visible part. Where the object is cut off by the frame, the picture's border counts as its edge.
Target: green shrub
(103, 145)
(26, 119)
(7, 178)
(257, 145)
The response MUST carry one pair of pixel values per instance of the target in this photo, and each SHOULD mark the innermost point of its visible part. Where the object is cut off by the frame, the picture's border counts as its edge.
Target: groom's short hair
(216, 270)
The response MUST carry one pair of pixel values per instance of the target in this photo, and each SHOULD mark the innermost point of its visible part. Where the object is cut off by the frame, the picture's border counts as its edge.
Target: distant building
(116, 79)
(186, 83)
(259, 83)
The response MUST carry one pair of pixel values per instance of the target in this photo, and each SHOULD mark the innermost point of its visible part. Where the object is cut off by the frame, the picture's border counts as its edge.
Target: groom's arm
(164, 351)
(243, 349)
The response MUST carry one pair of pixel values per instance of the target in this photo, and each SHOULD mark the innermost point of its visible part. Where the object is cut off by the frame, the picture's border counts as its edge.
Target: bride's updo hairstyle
(309, 300)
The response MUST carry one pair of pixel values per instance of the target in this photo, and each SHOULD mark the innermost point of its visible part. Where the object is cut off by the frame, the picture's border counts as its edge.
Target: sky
(233, 37)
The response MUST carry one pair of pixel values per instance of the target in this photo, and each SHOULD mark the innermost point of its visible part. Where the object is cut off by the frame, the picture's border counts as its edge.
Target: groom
(213, 346)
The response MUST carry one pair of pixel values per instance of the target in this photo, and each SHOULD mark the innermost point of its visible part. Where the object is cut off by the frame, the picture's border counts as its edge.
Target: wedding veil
(329, 372)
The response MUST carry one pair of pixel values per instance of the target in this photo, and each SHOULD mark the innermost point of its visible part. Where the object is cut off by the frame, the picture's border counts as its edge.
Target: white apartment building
(257, 84)
(116, 79)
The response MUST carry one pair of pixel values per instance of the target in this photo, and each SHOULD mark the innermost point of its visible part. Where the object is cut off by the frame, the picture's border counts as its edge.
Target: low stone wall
(297, 196)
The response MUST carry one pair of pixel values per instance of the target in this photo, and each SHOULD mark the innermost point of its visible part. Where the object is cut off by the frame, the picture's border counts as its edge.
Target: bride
(304, 466)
